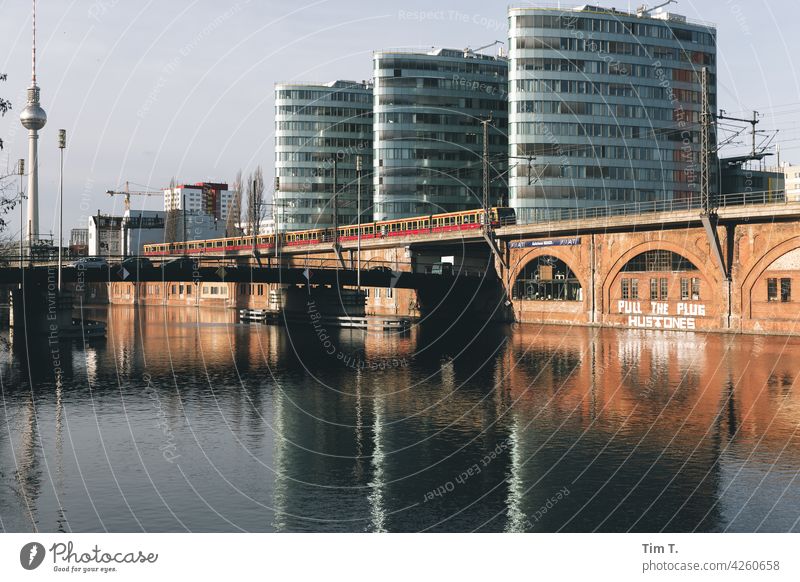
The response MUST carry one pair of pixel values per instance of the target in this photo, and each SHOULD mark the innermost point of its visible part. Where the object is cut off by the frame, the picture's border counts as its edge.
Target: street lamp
(21, 173)
(62, 143)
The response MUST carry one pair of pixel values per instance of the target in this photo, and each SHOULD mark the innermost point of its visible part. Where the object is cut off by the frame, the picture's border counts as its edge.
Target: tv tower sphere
(33, 116)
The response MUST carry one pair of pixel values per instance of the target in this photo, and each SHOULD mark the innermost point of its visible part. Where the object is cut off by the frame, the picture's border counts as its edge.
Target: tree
(6, 204)
(255, 201)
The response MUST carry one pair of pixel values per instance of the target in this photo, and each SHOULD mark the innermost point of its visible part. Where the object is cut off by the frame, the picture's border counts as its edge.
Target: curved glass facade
(428, 134)
(604, 108)
(316, 125)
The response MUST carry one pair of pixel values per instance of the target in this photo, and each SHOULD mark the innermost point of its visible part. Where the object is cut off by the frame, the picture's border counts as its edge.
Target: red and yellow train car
(417, 225)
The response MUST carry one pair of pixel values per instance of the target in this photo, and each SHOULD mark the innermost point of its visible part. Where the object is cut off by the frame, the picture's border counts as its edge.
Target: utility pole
(183, 206)
(705, 145)
(21, 173)
(485, 124)
(358, 248)
(275, 215)
(335, 205)
(62, 143)
(753, 122)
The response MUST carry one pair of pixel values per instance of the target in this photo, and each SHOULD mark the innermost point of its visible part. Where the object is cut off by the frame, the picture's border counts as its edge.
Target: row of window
(252, 289)
(356, 143)
(445, 137)
(434, 152)
(603, 110)
(472, 66)
(435, 119)
(604, 67)
(490, 87)
(601, 173)
(323, 126)
(559, 86)
(613, 26)
(345, 170)
(523, 193)
(320, 110)
(312, 95)
(320, 157)
(779, 289)
(659, 289)
(604, 130)
(612, 47)
(413, 98)
(593, 151)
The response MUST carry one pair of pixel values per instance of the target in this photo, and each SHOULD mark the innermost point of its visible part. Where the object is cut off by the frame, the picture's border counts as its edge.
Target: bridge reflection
(437, 429)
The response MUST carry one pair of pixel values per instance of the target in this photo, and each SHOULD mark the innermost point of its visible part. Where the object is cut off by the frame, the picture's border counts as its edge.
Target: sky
(151, 90)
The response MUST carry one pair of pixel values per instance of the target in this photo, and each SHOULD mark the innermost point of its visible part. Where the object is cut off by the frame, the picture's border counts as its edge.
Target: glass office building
(319, 129)
(604, 107)
(428, 135)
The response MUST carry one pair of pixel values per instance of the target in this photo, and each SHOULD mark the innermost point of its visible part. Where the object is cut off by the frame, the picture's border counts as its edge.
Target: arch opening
(547, 278)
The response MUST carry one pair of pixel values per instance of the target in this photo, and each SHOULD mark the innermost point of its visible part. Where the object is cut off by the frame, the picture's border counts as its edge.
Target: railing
(654, 206)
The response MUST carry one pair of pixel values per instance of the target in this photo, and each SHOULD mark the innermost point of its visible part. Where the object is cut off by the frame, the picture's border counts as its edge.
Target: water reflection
(186, 420)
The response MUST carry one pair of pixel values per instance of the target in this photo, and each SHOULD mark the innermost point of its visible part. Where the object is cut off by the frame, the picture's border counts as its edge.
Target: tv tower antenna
(33, 118)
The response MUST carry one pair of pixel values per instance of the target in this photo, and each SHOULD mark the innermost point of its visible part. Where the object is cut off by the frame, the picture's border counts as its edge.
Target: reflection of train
(465, 220)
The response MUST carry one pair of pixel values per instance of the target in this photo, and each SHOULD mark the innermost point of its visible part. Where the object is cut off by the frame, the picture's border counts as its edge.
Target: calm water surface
(183, 420)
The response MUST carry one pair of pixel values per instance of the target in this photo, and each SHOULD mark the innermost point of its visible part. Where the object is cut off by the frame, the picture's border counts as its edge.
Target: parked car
(442, 269)
(179, 265)
(91, 263)
(136, 263)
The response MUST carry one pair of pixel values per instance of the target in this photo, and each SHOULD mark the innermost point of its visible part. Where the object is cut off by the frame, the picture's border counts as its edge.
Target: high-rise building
(428, 133)
(210, 198)
(320, 130)
(604, 107)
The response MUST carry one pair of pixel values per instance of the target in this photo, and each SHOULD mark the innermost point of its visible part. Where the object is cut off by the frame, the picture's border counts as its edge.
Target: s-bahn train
(417, 225)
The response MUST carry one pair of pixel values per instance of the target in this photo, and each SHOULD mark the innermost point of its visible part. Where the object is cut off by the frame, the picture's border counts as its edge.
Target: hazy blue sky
(148, 90)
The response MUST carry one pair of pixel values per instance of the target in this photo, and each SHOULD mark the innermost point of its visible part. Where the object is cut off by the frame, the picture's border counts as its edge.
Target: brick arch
(557, 252)
(656, 245)
(758, 269)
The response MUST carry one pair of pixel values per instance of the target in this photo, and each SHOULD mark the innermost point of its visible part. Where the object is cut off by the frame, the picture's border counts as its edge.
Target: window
(695, 289)
(786, 290)
(684, 289)
(664, 289)
(188, 289)
(772, 289)
(630, 288)
(654, 289)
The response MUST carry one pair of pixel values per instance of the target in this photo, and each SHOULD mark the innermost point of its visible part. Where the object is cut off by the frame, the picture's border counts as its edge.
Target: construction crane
(128, 193)
(468, 50)
(643, 10)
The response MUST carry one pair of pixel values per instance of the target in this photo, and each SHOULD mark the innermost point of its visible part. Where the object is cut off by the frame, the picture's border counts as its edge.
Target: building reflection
(438, 429)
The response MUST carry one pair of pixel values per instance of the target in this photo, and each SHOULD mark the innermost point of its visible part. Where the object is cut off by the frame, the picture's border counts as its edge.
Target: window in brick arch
(626, 288)
(695, 289)
(772, 289)
(684, 289)
(664, 289)
(786, 290)
(659, 260)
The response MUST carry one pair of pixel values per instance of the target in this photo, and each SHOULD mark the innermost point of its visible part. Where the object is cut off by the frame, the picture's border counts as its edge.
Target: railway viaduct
(659, 270)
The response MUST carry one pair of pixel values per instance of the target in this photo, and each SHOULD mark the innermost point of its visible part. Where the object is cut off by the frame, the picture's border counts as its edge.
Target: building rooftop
(466, 53)
(642, 12)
